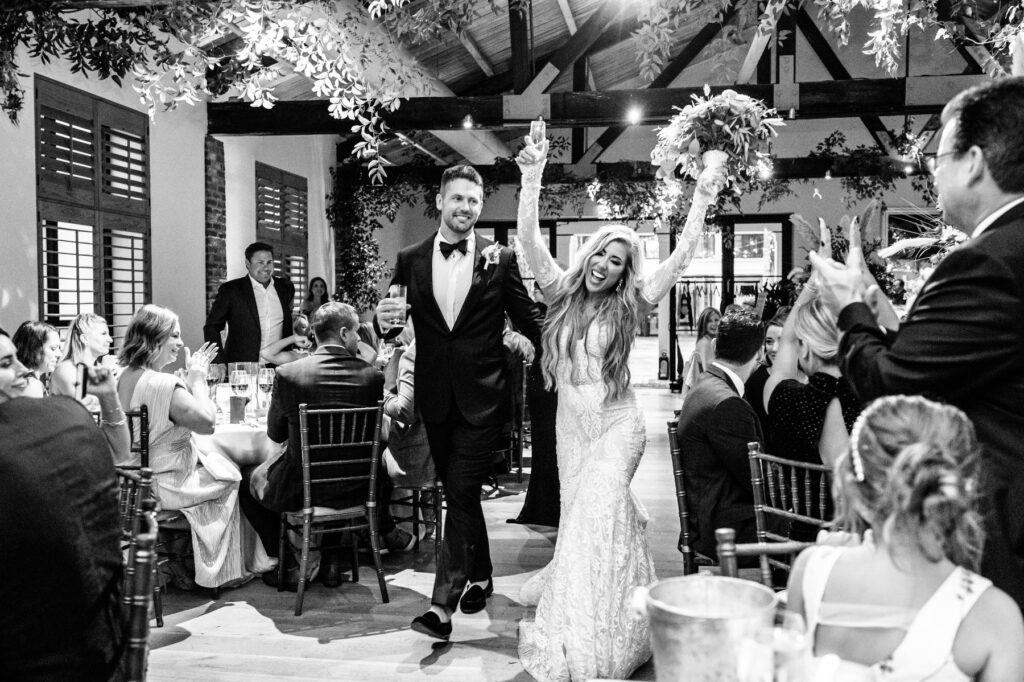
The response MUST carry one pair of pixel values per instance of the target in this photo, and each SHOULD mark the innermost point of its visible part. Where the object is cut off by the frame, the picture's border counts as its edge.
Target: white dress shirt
(733, 377)
(452, 277)
(268, 305)
(993, 216)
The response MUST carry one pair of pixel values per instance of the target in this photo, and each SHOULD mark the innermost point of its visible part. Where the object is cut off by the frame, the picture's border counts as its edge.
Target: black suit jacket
(466, 364)
(235, 306)
(963, 342)
(329, 376)
(715, 426)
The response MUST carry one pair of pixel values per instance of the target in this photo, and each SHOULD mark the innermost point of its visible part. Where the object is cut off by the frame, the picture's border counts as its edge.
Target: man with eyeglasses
(963, 337)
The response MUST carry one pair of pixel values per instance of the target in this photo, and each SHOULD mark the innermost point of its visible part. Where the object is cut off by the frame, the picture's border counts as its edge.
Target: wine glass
(214, 375)
(240, 380)
(265, 382)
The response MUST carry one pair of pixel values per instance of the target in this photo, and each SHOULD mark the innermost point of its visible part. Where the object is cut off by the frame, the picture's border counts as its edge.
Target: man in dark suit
(460, 286)
(962, 339)
(715, 425)
(257, 309)
(332, 375)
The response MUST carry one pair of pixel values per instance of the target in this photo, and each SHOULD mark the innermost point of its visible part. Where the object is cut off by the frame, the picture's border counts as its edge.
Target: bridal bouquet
(728, 129)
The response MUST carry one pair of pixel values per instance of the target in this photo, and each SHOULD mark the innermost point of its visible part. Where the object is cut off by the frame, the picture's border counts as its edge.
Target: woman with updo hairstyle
(810, 421)
(906, 604)
(204, 486)
(38, 347)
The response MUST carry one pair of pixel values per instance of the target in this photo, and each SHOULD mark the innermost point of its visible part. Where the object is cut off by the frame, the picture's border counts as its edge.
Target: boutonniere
(492, 254)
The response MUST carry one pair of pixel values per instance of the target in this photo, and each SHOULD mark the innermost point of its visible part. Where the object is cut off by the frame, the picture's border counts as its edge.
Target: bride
(583, 627)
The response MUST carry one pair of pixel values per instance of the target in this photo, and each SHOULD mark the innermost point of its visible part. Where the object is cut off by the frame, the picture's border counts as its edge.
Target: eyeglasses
(932, 161)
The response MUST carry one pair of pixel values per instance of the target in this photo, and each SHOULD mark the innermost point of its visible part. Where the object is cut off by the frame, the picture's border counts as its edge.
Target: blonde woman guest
(88, 341)
(908, 605)
(583, 627)
(38, 347)
(204, 486)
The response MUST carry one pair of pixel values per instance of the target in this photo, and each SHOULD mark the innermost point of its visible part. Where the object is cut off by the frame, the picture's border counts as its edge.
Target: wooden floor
(347, 633)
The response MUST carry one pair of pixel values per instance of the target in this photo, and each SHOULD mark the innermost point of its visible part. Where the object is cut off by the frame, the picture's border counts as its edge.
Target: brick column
(216, 220)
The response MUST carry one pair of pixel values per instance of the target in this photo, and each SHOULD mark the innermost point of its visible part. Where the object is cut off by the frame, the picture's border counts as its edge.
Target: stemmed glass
(265, 382)
(214, 375)
(240, 380)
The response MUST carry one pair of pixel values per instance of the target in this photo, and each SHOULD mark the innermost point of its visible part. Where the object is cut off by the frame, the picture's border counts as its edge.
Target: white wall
(177, 166)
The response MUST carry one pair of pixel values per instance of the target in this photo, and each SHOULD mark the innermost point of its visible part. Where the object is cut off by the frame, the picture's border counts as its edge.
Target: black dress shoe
(430, 624)
(475, 598)
(291, 580)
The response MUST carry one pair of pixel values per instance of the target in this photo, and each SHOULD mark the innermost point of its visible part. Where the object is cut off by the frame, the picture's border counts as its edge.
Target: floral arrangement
(928, 249)
(727, 128)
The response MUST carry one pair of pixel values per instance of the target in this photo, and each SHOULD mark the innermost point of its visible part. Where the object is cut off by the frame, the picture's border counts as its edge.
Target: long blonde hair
(620, 308)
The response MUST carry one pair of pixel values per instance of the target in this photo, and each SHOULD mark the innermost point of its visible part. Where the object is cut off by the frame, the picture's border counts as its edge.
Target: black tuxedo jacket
(329, 376)
(235, 306)
(715, 426)
(466, 364)
(963, 342)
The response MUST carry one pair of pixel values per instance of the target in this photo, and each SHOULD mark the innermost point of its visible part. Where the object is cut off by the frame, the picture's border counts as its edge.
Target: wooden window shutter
(125, 263)
(65, 144)
(124, 144)
(67, 262)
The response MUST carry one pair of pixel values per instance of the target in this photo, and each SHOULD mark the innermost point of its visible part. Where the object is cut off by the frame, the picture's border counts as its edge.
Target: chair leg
(375, 547)
(355, 555)
(416, 516)
(158, 606)
(281, 556)
(303, 562)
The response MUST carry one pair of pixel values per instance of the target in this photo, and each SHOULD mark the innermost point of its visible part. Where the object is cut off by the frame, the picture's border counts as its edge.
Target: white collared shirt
(268, 305)
(994, 216)
(737, 383)
(452, 277)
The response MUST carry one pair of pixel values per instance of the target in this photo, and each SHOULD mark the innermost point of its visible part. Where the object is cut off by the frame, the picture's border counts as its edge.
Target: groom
(460, 287)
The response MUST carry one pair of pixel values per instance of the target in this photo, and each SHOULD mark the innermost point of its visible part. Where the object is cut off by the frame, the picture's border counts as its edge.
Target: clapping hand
(101, 381)
(531, 160)
(841, 286)
(198, 364)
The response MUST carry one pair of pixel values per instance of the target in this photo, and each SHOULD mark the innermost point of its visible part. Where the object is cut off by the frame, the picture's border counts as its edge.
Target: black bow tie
(446, 248)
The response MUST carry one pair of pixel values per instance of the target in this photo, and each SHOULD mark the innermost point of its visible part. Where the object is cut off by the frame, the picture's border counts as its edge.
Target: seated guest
(809, 422)
(907, 604)
(38, 347)
(754, 388)
(408, 453)
(203, 486)
(715, 425)
(288, 349)
(315, 297)
(60, 578)
(332, 375)
(704, 351)
(88, 341)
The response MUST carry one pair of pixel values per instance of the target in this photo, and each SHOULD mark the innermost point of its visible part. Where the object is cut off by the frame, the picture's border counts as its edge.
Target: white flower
(492, 254)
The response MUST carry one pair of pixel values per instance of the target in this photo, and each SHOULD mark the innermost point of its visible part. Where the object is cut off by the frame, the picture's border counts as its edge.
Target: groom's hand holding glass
(392, 311)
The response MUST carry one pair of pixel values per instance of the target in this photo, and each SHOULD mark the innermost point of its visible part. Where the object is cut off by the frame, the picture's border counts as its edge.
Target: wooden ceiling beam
(570, 23)
(816, 39)
(671, 71)
(759, 42)
(475, 52)
(577, 46)
(521, 67)
(816, 100)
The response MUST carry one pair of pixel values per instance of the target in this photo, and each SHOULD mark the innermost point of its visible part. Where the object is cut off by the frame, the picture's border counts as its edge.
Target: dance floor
(346, 633)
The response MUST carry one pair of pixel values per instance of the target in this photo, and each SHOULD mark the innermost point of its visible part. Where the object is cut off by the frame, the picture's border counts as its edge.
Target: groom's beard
(459, 228)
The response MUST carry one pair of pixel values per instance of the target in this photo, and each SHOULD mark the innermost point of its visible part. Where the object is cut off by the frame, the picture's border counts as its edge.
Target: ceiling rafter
(828, 57)
(760, 41)
(576, 47)
(475, 52)
(672, 70)
(570, 23)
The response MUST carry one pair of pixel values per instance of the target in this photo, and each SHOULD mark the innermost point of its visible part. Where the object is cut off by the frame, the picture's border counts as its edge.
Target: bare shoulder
(990, 641)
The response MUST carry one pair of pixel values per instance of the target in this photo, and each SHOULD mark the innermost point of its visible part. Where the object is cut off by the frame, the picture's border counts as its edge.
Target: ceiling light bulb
(908, 169)
(634, 115)
(828, 175)
(467, 122)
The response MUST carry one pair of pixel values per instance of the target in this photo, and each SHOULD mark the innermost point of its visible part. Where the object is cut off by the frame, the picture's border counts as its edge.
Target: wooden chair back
(339, 446)
(788, 493)
(728, 552)
(139, 593)
(691, 557)
(134, 486)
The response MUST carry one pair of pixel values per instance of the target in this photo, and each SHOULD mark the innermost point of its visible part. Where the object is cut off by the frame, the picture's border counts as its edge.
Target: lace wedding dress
(583, 627)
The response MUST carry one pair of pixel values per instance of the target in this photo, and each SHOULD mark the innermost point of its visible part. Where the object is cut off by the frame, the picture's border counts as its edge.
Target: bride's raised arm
(658, 283)
(531, 162)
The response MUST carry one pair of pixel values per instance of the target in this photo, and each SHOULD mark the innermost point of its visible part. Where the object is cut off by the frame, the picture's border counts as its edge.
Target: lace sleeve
(534, 251)
(659, 282)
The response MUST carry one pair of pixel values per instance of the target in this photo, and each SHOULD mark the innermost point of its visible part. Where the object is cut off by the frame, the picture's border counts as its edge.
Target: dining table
(245, 443)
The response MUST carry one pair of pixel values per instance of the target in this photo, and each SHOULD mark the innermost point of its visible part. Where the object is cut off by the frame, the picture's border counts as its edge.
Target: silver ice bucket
(707, 628)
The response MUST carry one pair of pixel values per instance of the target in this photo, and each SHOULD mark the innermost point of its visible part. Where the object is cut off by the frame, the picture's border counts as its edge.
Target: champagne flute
(214, 375)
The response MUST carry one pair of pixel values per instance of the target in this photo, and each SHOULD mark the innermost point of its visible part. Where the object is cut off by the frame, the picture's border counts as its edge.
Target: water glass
(240, 380)
(265, 382)
(214, 375)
